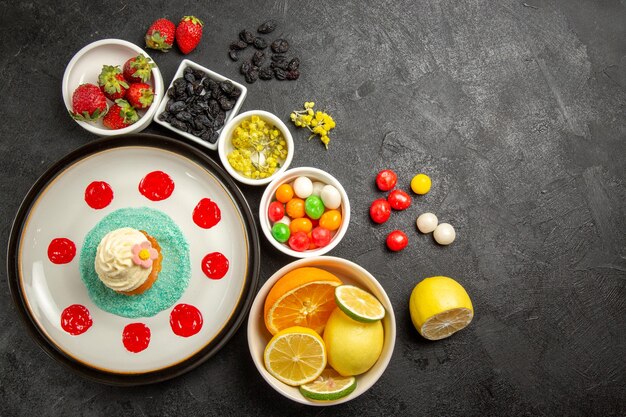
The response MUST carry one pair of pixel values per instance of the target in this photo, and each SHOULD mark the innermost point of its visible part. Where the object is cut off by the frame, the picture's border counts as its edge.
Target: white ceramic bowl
(287, 177)
(349, 273)
(215, 76)
(87, 64)
(225, 145)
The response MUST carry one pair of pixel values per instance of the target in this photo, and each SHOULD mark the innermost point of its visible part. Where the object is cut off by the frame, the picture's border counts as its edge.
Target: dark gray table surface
(516, 110)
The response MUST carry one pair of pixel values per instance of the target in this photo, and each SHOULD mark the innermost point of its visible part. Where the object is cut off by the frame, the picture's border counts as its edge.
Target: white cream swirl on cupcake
(124, 259)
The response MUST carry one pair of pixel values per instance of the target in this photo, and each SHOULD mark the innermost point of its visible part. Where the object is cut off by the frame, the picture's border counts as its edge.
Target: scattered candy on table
(399, 200)
(427, 222)
(420, 184)
(386, 180)
(397, 240)
(444, 234)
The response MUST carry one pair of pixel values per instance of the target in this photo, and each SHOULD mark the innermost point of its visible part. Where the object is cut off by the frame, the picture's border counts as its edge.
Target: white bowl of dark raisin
(198, 103)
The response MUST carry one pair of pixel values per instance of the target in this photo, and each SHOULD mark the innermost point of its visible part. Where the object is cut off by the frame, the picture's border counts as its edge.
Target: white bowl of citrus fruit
(321, 331)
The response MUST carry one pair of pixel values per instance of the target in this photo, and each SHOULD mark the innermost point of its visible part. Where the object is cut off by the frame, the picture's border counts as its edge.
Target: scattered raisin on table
(267, 27)
(245, 67)
(260, 43)
(293, 75)
(232, 54)
(238, 45)
(258, 58)
(294, 64)
(280, 74)
(266, 73)
(252, 76)
(280, 46)
(246, 36)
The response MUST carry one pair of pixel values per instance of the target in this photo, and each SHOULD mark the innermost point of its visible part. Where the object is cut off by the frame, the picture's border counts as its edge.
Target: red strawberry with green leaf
(188, 33)
(160, 35)
(112, 82)
(88, 103)
(121, 115)
(140, 95)
(138, 69)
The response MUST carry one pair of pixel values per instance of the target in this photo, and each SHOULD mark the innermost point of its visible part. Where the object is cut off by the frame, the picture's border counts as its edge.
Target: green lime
(359, 305)
(329, 386)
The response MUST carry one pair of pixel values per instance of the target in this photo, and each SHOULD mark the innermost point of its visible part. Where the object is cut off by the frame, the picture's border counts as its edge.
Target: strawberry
(138, 69)
(188, 33)
(88, 103)
(121, 115)
(160, 35)
(140, 95)
(112, 82)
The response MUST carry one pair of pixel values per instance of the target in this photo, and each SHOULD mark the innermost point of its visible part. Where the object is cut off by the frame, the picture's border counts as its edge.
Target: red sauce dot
(98, 195)
(61, 251)
(156, 186)
(206, 214)
(136, 337)
(185, 320)
(215, 265)
(76, 319)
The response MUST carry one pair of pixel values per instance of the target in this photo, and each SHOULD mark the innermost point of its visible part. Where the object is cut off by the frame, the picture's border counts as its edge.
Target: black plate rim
(231, 327)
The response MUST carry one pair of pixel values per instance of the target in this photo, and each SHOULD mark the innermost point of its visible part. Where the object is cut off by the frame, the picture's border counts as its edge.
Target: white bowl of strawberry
(112, 87)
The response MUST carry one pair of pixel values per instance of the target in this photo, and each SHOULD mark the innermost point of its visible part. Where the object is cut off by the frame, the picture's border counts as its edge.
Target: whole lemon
(352, 347)
(440, 307)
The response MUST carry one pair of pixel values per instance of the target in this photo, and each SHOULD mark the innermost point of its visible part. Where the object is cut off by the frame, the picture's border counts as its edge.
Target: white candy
(444, 234)
(317, 188)
(285, 220)
(330, 197)
(427, 222)
(303, 187)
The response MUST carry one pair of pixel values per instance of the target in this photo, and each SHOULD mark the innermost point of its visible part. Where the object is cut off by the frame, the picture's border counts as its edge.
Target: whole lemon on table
(440, 307)
(352, 347)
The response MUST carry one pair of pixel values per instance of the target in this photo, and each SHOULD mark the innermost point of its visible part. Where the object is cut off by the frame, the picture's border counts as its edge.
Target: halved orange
(303, 297)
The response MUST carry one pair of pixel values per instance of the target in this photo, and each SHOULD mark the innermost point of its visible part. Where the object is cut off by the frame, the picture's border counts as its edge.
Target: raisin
(235, 93)
(260, 43)
(280, 46)
(171, 92)
(294, 64)
(179, 125)
(293, 75)
(245, 67)
(252, 76)
(227, 87)
(280, 74)
(246, 36)
(281, 63)
(184, 116)
(177, 106)
(199, 75)
(208, 135)
(238, 45)
(226, 104)
(266, 73)
(258, 58)
(232, 54)
(204, 120)
(219, 120)
(189, 77)
(188, 70)
(198, 88)
(165, 116)
(267, 27)
(179, 83)
(214, 108)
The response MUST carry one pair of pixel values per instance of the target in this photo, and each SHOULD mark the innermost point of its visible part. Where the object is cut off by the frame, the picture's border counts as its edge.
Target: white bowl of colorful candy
(304, 212)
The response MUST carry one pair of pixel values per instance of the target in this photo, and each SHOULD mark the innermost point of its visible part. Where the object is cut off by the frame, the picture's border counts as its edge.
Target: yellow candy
(420, 184)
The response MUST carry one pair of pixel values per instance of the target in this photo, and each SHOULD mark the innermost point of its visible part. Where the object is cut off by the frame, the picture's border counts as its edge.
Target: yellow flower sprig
(318, 122)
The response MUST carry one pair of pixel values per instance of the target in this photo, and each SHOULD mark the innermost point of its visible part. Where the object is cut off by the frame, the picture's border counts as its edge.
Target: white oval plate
(55, 207)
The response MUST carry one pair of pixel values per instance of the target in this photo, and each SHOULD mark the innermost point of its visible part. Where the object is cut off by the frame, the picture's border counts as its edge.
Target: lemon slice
(358, 304)
(329, 386)
(295, 355)
(440, 307)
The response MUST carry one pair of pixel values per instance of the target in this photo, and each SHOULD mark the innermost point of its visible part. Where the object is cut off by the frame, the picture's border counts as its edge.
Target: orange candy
(301, 224)
(331, 220)
(284, 193)
(295, 208)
